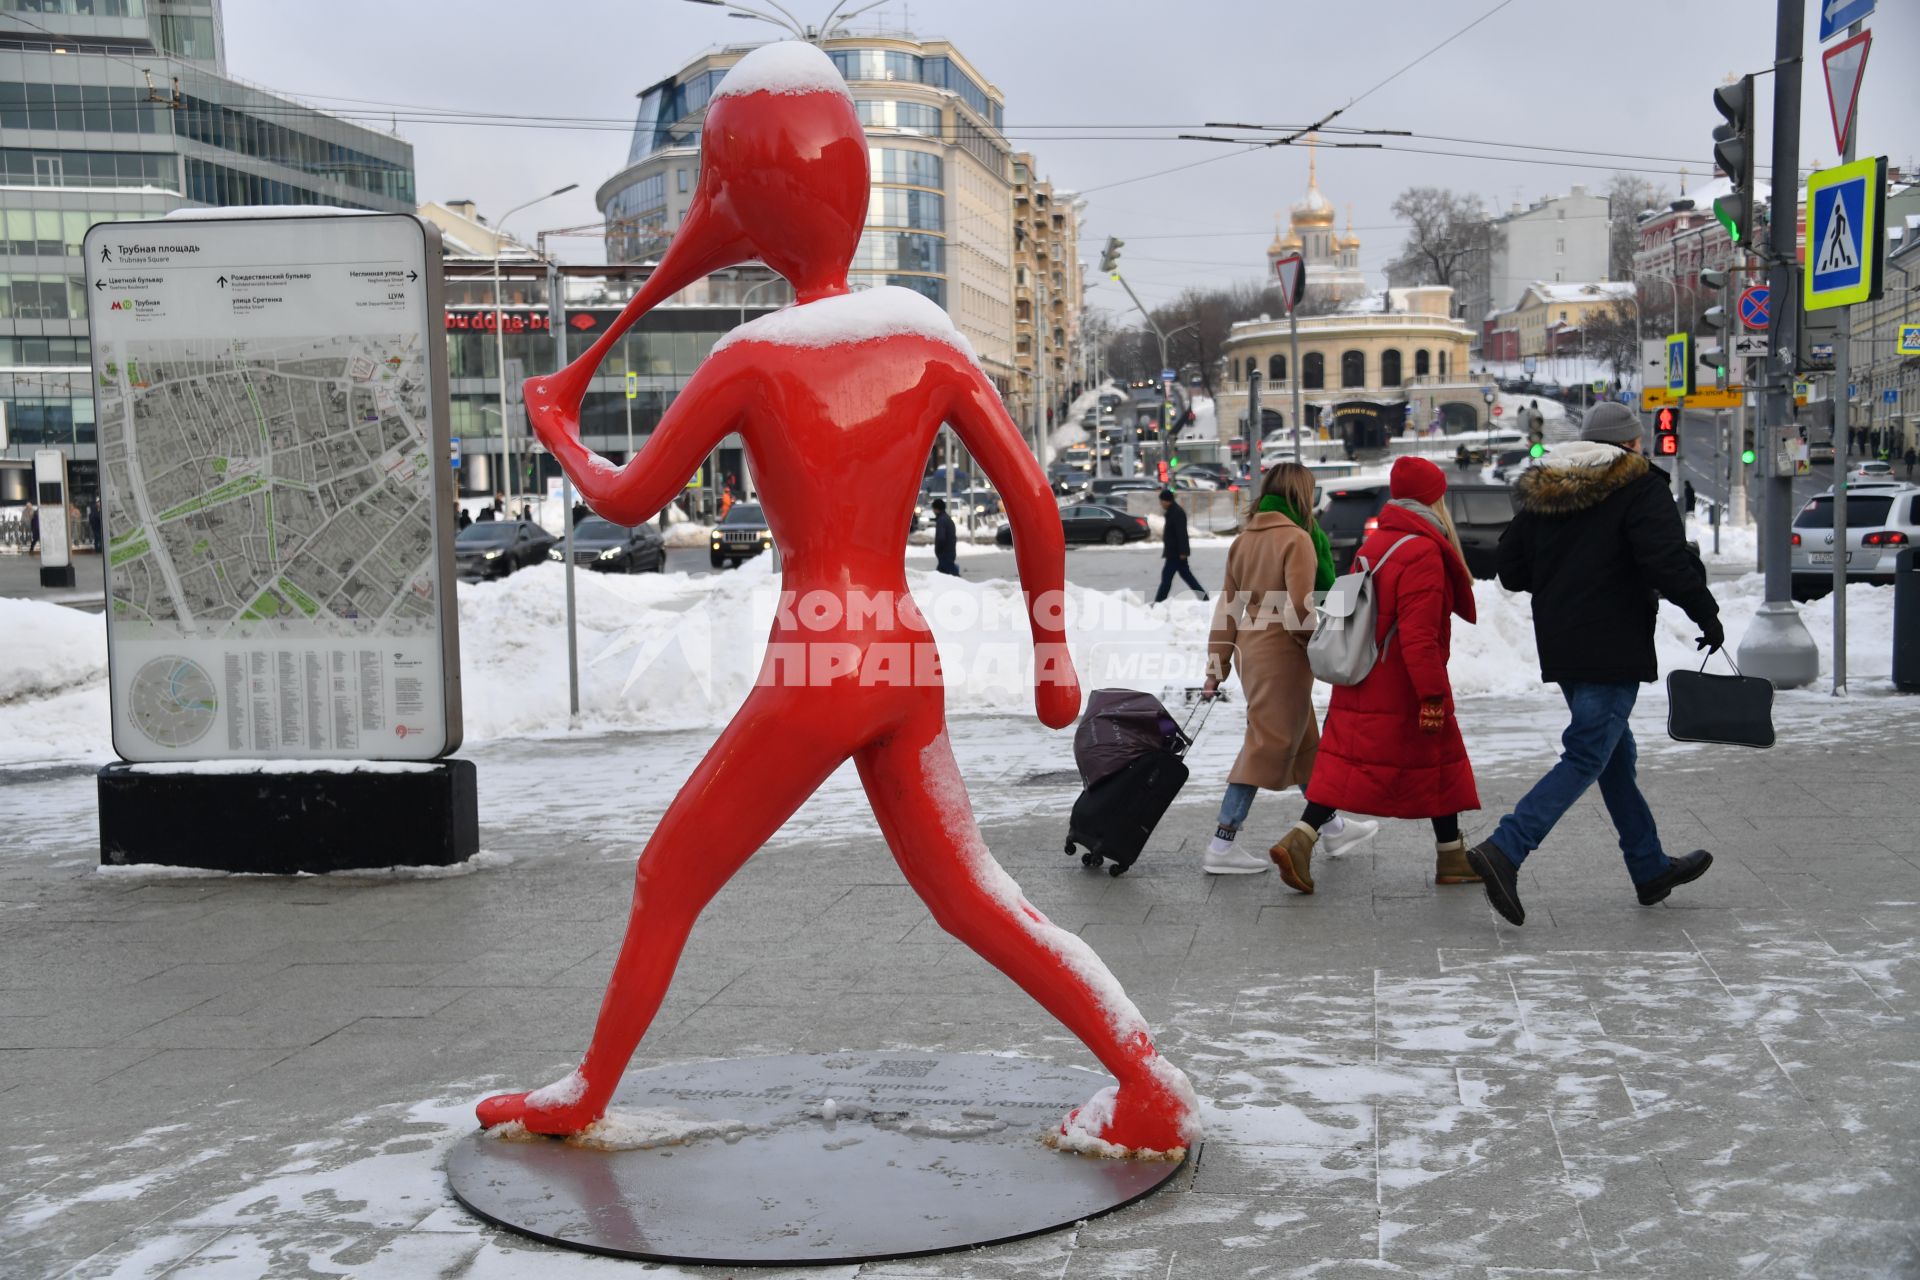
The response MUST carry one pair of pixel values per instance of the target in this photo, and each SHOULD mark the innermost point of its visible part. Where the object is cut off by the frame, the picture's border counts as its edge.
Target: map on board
(283, 486)
(270, 403)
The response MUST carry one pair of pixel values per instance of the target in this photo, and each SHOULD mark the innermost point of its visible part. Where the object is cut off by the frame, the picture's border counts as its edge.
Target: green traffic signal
(1728, 218)
(1746, 457)
(1537, 451)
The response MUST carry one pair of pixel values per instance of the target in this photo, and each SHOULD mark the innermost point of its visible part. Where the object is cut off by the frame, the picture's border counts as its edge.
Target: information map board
(271, 399)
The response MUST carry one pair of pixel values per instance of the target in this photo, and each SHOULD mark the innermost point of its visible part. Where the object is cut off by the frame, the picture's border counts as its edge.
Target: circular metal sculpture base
(852, 1157)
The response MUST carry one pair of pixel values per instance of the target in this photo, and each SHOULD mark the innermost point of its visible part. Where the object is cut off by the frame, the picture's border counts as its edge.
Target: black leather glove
(1713, 636)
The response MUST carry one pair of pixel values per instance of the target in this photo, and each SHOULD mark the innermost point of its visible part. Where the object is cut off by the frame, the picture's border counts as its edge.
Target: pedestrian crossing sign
(1908, 343)
(1679, 364)
(1845, 244)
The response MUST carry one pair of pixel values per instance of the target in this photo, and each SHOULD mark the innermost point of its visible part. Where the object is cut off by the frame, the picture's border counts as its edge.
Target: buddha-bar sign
(272, 415)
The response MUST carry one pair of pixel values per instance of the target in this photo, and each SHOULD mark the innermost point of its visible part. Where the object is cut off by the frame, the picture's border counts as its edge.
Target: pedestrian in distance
(1594, 537)
(33, 528)
(464, 519)
(1462, 458)
(1687, 500)
(93, 522)
(1392, 746)
(1909, 457)
(1175, 548)
(1260, 627)
(946, 540)
(487, 513)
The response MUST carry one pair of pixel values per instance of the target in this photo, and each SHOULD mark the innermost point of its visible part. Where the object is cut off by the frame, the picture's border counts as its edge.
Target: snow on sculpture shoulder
(786, 67)
(866, 316)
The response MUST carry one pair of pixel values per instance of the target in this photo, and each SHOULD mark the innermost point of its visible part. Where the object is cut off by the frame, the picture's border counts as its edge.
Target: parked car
(741, 536)
(1821, 453)
(495, 548)
(1105, 488)
(1345, 509)
(1882, 521)
(1509, 461)
(1219, 472)
(605, 547)
(1085, 522)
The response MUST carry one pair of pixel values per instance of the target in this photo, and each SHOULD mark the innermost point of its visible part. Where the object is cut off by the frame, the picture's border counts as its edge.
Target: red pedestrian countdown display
(1666, 432)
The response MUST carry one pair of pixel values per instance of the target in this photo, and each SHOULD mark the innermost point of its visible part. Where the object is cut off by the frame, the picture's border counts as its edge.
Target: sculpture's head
(783, 176)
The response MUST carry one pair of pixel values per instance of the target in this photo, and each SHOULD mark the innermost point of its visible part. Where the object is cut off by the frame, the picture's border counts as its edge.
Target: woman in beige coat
(1261, 625)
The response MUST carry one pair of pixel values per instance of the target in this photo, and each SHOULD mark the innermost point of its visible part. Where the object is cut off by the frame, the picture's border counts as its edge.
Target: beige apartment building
(1046, 293)
(941, 217)
(1546, 311)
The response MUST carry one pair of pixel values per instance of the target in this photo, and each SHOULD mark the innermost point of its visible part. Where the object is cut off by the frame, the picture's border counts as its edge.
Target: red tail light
(1141, 521)
(1796, 539)
(1885, 538)
(1372, 525)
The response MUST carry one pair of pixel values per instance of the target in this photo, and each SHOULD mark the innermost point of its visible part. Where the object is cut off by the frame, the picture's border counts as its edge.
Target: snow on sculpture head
(783, 176)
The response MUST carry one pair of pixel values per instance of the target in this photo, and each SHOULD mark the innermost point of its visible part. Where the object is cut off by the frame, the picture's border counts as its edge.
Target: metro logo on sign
(1845, 249)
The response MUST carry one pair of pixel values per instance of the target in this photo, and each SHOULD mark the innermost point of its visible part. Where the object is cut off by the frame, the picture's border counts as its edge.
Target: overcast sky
(1631, 76)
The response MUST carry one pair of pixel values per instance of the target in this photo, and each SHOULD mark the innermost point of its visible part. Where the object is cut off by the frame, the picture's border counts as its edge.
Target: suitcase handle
(1722, 651)
(1190, 730)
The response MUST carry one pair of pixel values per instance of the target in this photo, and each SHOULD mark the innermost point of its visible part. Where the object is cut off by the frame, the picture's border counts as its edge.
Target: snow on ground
(670, 652)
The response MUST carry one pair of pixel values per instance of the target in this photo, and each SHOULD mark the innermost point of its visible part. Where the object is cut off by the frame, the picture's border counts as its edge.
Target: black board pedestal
(291, 817)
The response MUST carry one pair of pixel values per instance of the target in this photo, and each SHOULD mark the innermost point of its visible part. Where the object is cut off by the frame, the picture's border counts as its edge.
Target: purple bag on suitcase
(1121, 725)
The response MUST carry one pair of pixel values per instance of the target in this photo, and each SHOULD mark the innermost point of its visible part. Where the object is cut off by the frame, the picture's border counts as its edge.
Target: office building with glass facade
(940, 220)
(118, 109)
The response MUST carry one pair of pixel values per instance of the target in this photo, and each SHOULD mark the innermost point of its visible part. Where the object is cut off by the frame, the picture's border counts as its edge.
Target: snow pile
(564, 1092)
(785, 66)
(50, 649)
(865, 316)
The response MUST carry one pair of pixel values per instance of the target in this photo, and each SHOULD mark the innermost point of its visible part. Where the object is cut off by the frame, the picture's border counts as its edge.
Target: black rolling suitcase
(1129, 751)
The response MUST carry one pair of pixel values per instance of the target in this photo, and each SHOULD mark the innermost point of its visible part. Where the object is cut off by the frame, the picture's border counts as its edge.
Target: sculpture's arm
(711, 405)
(1039, 541)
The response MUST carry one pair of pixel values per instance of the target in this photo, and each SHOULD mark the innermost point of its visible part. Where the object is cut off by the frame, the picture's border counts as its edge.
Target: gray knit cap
(1610, 422)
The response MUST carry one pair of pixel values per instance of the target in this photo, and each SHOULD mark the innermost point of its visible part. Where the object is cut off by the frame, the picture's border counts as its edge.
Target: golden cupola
(1315, 210)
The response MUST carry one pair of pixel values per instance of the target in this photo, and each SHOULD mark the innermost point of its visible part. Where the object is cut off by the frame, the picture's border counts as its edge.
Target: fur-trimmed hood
(1574, 476)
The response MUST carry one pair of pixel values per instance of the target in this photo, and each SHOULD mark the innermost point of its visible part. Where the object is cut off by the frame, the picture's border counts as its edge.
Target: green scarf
(1323, 574)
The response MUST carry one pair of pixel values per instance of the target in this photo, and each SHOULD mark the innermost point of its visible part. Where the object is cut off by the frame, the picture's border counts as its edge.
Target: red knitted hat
(1418, 479)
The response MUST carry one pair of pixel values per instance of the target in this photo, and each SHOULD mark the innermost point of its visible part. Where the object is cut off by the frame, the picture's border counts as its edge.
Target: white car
(1871, 471)
(1883, 519)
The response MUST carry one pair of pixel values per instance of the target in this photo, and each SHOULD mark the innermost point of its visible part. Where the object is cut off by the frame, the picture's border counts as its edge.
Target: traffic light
(1717, 318)
(1666, 432)
(1110, 257)
(1733, 153)
(1747, 455)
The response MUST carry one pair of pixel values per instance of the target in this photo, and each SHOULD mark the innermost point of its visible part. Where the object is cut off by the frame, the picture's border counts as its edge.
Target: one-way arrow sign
(1837, 15)
(222, 282)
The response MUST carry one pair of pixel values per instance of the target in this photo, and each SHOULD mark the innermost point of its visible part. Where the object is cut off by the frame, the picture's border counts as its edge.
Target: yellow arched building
(1381, 363)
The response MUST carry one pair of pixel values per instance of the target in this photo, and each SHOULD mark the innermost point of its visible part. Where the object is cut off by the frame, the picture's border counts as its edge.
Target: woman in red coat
(1391, 745)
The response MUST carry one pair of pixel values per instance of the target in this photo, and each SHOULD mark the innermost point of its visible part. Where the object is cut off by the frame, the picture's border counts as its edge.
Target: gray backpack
(1342, 650)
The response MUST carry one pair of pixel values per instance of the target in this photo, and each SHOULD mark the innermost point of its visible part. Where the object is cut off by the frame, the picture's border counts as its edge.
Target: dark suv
(740, 536)
(1481, 513)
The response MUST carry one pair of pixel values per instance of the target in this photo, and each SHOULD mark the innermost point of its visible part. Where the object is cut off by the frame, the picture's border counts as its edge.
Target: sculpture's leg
(762, 767)
(918, 795)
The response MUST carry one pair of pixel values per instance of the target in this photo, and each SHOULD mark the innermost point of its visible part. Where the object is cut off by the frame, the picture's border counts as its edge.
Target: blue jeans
(1234, 808)
(1597, 747)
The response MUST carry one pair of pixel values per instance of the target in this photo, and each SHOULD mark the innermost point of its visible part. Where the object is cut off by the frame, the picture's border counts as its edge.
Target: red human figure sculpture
(838, 399)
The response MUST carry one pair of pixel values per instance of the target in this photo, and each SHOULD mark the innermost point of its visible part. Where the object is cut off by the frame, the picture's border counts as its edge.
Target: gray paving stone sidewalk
(248, 1077)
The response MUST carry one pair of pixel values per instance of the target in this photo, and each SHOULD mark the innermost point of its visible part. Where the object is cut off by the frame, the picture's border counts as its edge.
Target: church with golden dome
(1332, 260)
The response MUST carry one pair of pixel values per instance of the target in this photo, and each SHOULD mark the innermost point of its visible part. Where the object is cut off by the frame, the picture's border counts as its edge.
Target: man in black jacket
(1597, 540)
(1174, 549)
(946, 540)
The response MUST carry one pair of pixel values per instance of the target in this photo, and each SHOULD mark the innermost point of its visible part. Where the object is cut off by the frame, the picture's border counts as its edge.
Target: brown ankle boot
(1450, 864)
(1294, 856)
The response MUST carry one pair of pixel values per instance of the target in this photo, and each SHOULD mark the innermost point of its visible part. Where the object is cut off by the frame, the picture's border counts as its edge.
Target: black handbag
(1734, 711)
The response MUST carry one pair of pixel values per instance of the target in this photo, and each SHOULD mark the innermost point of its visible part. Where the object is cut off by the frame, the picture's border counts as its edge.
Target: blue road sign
(1753, 306)
(1891, 395)
(1168, 375)
(1680, 364)
(453, 450)
(1837, 15)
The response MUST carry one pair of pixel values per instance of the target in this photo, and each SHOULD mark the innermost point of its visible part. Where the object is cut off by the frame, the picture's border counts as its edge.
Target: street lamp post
(499, 329)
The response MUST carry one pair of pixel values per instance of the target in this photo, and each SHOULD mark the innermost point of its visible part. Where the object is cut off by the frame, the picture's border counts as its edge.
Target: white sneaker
(1353, 833)
(1234, 861)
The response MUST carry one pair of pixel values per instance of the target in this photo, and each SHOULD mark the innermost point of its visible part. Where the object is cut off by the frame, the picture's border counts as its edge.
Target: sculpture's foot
(564, 1107)
(1152, 1118)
